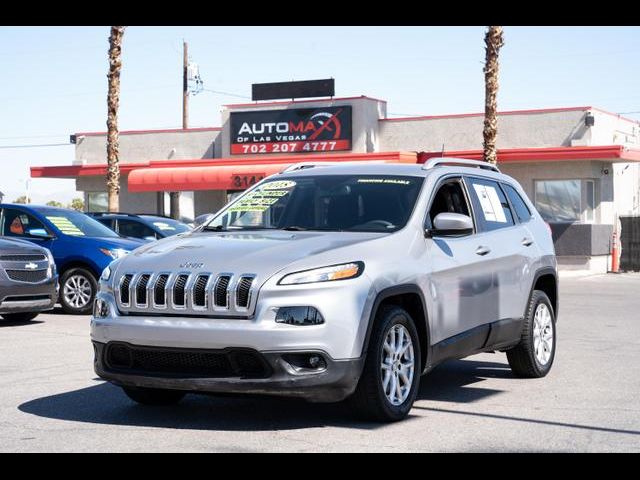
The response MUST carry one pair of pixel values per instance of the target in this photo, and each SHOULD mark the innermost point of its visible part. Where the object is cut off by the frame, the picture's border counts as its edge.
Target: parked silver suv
(335, 281)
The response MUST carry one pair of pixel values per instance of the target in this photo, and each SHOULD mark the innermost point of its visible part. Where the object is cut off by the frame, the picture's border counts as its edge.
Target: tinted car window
(18, 224)
(132, 228)
(490, 205)
(520, 207)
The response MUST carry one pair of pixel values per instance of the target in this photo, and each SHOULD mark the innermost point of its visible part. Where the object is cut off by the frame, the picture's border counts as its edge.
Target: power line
(225, 93)
(36, 145)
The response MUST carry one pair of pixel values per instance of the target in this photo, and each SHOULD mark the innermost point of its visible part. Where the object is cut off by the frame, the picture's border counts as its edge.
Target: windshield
(168, 226)
(354, 203)
(78, 224)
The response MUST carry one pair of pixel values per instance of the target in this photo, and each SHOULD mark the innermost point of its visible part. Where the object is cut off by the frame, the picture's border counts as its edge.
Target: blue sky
(54, 78)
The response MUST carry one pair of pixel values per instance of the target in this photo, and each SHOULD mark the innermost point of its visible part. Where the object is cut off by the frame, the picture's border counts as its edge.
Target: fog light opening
(306, 362)
(100, 308)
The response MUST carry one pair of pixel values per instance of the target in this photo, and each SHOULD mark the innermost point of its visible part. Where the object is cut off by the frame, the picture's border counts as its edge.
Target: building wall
(143, 202)
(527, 173)
(140, 147)
(545, 129)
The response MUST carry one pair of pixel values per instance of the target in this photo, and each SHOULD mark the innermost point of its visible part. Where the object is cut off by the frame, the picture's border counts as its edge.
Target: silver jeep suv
(335, 281)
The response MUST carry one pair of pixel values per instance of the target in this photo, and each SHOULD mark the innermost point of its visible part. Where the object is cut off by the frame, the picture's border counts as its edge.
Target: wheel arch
(78, 264)
(410, 298)
(546, 280)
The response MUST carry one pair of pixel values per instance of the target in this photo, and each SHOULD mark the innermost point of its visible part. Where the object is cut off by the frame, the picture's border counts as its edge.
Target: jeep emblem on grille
(31, 266)
(192, 265)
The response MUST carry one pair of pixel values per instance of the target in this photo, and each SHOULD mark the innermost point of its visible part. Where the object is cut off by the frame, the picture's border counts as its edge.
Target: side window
(131, 228)
(107, 222)
(490, 204)
(18, 224)
(518, 204)
(450, 197)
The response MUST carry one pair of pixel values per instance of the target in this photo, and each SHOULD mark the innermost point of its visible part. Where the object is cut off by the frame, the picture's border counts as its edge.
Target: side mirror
(450, 224)
(38, 232)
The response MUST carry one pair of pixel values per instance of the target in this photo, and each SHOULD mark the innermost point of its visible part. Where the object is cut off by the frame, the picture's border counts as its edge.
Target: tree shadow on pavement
(107, 404)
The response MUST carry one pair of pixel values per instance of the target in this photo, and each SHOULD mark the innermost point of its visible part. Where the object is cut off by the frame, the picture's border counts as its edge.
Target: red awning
(612, 153)
(199, 178)
(232, 174)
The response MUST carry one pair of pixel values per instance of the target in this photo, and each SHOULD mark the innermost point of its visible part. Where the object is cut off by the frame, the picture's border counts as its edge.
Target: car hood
(114, 242)
(12, 245)
(255, 252)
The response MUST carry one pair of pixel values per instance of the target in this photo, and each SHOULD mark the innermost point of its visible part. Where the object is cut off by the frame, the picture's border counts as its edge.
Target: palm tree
(493, 40)
(113, 101)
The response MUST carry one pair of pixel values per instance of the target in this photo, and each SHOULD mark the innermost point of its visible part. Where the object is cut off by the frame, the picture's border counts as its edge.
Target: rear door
(500, 242)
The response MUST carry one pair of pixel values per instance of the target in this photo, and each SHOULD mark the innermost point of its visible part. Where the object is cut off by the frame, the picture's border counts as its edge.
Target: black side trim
(490, 336)
(461, 345)
(391, 292)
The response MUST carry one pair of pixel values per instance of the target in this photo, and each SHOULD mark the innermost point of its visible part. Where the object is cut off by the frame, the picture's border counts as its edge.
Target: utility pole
(174, 197)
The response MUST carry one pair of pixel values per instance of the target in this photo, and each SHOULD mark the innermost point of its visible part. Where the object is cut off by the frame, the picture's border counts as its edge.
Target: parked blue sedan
(81, 246)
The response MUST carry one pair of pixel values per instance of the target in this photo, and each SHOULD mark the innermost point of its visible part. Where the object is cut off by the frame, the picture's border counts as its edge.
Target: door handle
(481, 250)
(527, 241)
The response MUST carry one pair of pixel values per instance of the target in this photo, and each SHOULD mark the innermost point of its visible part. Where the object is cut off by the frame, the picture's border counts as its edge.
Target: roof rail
(464, 162)
(305, 165)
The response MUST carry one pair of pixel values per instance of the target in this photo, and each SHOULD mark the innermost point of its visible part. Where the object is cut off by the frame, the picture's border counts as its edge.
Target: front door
(461, 284)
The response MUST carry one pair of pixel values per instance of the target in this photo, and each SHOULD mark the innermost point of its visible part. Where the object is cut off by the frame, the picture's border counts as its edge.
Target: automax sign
(290, 131)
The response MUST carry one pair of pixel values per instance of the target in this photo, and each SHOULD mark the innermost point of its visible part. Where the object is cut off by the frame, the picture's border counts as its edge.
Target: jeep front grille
(159, 297)
(141, 289)
(242, 295)
(124, 289)
(183, 293)
(178, 290)
(221, 290)
(200, 292)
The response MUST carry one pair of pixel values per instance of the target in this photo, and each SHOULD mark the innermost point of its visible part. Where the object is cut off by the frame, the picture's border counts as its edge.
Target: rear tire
(153, 396)
(78, 288)
(533, 356)
(20, 317)
(383, 370)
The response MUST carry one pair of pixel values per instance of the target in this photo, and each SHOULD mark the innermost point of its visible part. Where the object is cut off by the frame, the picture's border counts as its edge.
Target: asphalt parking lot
(51, 400)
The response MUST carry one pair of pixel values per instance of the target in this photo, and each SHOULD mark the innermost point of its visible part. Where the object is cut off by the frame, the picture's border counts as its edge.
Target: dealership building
(579, 165)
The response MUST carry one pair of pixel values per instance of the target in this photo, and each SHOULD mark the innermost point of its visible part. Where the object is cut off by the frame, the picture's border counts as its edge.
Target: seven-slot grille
(185, 293)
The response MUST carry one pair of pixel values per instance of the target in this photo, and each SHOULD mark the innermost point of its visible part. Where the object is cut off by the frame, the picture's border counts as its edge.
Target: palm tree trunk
(113, 101)
(493, 41)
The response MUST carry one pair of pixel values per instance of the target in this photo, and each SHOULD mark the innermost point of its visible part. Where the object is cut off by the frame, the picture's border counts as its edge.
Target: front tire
(389, 382)
(153, 396)
(533, 356)
(20, 317)
(78, 288)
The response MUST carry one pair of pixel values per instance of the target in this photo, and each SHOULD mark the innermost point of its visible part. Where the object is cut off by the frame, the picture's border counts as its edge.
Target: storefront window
(97, 202)
(565, 200)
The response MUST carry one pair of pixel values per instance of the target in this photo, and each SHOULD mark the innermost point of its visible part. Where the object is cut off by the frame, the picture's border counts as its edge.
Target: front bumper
(332, 384)
(25, 297)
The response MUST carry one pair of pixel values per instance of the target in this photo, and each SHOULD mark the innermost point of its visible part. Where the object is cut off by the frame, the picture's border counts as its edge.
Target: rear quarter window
(519, 205)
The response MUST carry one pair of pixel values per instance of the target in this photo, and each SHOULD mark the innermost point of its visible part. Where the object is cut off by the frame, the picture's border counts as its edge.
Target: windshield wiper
(217, 228)
(294, 228)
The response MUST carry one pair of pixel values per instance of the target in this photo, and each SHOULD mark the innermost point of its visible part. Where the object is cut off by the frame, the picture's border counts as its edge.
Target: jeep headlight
(343, 271)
